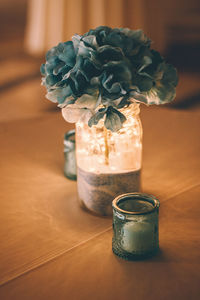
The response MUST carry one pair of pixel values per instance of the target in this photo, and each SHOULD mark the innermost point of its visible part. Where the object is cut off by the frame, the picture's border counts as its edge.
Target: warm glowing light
(124, 146)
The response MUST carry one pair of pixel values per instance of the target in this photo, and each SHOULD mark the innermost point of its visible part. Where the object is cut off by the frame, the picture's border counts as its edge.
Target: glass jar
(108, 163)
(70, 155)
(135, 226)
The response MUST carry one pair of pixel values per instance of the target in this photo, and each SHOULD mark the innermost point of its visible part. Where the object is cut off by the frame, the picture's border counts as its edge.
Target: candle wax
(138, 236)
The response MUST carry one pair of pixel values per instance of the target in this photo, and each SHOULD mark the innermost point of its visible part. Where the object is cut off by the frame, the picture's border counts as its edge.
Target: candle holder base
(132, 256)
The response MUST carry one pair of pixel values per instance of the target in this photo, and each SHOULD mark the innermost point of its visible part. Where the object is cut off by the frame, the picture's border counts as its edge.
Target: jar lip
(134, 106)
(69, 134)
(138, 196)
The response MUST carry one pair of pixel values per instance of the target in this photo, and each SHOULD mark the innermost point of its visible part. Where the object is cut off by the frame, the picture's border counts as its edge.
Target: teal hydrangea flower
(94, 75)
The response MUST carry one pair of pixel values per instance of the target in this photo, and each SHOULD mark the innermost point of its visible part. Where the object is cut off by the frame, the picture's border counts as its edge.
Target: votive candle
(135, 225)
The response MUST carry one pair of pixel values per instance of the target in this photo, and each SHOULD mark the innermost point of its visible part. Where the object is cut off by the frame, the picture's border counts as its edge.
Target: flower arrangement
(96, 74)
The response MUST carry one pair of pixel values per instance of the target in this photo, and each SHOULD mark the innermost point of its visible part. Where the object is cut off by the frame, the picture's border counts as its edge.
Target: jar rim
(134, 106)
(136, 196)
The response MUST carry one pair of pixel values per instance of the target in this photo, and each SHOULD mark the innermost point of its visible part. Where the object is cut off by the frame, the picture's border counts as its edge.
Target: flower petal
(86, 101)
(90, 41)
(108, 53)
(73, 115)
(59, 95)
(114, 119)
(67, 53)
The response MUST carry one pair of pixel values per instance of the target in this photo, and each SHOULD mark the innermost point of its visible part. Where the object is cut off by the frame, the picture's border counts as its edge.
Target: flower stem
(106, 146)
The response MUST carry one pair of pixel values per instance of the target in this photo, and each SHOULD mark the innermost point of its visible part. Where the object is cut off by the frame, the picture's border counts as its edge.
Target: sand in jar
(96, 191)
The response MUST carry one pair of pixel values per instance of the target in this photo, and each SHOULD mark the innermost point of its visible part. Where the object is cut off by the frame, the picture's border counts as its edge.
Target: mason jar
(135, 226)
(108, 163)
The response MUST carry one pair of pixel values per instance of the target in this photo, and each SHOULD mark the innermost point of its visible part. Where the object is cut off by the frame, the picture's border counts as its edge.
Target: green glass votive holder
(70, 155)
(135, 226)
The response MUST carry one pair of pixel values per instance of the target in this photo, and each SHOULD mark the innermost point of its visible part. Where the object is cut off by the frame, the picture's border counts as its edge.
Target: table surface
(52, 249)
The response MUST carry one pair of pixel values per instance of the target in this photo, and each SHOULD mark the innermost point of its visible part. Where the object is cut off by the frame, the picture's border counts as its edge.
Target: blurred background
(28, 28)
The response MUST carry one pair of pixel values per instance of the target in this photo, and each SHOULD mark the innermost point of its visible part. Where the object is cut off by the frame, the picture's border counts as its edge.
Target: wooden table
(52, 249)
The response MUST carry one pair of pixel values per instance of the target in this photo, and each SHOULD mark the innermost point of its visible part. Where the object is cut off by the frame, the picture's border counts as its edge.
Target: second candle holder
(135, 226)
(70, 155)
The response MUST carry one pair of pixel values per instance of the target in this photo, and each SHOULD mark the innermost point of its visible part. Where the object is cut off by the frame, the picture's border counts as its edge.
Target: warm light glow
(124, 146)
